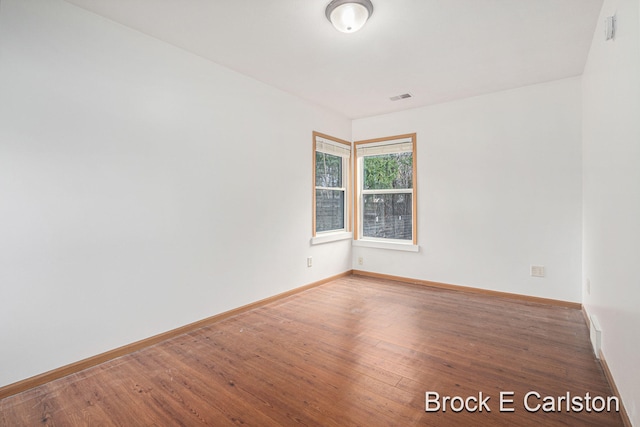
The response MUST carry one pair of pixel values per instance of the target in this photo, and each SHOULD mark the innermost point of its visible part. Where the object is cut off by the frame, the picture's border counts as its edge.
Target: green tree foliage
(388, 171)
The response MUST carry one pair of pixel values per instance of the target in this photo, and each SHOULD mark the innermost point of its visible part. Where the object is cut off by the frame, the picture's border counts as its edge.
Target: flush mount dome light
(349, 16)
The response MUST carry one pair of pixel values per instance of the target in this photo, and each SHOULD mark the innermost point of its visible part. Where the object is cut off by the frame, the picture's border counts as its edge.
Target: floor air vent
(399, 97)
(596, 335)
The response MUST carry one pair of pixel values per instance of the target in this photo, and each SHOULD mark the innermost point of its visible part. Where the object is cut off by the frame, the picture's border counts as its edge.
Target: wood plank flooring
(353, 352)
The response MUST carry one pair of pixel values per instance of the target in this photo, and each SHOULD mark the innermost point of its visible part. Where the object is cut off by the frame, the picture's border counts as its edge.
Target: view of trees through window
(330, 192)
(387, 196)
(388, 171)
(384, 202)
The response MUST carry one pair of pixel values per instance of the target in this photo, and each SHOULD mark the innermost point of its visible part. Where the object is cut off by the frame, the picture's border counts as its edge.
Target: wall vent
(399, 97)
(610, 27)
(595, 333)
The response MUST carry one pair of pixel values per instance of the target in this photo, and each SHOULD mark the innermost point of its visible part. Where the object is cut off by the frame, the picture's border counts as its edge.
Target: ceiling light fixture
(349, 16)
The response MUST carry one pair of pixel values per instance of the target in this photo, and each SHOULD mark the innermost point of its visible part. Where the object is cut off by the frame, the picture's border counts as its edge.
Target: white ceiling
(437, 50)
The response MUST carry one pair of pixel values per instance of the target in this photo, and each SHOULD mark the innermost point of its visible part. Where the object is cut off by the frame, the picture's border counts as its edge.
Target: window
(331, 182)
(385, 184)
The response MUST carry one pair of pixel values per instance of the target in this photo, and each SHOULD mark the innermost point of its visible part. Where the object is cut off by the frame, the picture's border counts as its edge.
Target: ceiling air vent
(399, 97)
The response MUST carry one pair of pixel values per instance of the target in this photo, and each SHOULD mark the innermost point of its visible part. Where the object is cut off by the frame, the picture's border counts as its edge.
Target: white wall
(139, 191)
(611, 129)
(140, 188)
(499, 190)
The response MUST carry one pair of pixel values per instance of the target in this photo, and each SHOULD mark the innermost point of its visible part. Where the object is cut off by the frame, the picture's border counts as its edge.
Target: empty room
(320, 213)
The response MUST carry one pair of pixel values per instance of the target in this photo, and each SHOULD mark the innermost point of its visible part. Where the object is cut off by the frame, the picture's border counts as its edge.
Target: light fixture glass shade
(349, 16)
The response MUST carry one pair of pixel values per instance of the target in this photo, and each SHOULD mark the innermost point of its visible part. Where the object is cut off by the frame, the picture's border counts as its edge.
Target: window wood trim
(356, 183)
(348, 181)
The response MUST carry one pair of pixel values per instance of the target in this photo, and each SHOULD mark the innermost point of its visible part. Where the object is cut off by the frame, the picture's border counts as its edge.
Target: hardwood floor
(355, 351)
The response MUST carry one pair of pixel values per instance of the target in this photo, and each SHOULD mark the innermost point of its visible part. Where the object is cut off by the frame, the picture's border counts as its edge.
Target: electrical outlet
(360, 260)
(537, 271)
(309, 262)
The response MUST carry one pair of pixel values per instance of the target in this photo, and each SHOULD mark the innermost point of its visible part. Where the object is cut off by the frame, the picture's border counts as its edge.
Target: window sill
(394, 245)
(331, 237)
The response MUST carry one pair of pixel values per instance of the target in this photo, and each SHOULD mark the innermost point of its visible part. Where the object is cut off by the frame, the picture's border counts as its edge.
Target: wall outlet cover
(537, 270)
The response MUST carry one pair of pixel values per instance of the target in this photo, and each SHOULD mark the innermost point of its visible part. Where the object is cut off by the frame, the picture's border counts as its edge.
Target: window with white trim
(331, 180)
(385, 184)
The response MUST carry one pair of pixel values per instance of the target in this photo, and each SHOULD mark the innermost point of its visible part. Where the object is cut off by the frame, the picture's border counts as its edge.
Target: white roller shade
(334, 148)
(385, 147)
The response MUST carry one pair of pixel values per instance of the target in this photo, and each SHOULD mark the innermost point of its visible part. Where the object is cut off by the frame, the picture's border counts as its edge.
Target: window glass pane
(329, 210)
(388, 171)
(387, 216)
(328, 170)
